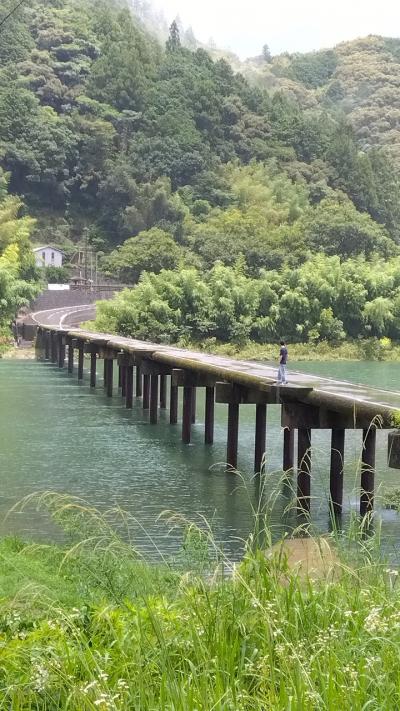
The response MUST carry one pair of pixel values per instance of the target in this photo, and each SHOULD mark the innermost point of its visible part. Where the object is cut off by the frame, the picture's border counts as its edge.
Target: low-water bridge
(307, 402)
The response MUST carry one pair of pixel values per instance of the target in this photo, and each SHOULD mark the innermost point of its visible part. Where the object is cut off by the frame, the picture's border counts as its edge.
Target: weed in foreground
(93, 626)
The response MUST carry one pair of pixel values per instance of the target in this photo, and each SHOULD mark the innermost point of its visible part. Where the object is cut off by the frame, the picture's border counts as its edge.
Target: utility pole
(86, 259)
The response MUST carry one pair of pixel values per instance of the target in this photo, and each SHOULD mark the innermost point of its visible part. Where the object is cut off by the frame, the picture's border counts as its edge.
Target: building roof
(47, 246)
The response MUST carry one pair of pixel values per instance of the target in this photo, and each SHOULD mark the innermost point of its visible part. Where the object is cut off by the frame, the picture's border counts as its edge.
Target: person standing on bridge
(283, 356)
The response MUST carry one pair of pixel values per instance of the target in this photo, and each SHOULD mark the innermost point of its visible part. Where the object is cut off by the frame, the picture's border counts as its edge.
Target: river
(57, 434)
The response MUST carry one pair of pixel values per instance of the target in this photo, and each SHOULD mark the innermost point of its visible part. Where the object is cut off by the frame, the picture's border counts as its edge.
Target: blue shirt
(284, 355)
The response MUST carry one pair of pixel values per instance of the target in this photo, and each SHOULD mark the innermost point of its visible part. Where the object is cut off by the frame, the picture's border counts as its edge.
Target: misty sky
(292, 25)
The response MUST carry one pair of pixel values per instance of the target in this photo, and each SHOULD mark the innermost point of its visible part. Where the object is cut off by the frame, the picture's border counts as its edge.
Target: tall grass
(92, 626)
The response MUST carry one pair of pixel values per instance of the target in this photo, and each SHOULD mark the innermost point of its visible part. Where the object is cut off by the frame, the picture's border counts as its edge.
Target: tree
(174, 41)
(266, 54)
(19, 281)
(334, 226)
(151, 250)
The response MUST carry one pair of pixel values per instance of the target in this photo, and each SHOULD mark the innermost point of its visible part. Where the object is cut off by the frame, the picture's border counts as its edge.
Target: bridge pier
(152, 375)
(53, 347)
(129, 386)
(173, 404)
(209, 416)
(126, 362)
(288, 450)
(368, 470)
(39, 344)
(153, 399)
(110, 377)
(303, 469)
(93, 366)
(60, 349)
(92, 350)
(122, 370)
(233, 434)
(336, 471)
(260, 436)
(189, 380)
(233, 394)
(163, 391)
(70, 355)
(138, 388)
(146, 392)
(46, 336)
(105, 373)
(194, 401)
(80, 361)
(187, 413)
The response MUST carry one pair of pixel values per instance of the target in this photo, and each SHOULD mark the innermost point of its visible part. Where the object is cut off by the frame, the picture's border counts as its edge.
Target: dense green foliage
(166, 159)
(93, 627)
(101, 126)
(18, 277)
(322, 299)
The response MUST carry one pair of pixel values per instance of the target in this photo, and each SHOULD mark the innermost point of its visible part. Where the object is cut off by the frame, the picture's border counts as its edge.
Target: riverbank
(92, 626)
(362, 350)
(13, 353)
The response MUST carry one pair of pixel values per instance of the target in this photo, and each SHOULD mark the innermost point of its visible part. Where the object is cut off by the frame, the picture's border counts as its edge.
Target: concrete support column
(304, 469)
(260, 437)
(153, 399)
(209, 416)
(110, 376)
(163, 392)
(80, 361)
(173, 405)
(53, 347)
(138, 388)
(288, 450)
(93, 365)
(336, 471)
(129, 386)
(187, 411)
(60, 350)
(46, 345)
(368, 471)
(39, 352)
(146, 392)
(70, 358)
(105, 373)
(233, 434)
(194, 400)
(123, 380)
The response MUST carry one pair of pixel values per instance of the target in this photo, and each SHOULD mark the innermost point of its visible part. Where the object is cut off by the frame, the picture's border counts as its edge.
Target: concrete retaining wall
(57, 299)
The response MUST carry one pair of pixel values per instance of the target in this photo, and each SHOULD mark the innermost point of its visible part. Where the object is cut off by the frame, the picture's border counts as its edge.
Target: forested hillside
(165, 159)
(360, 78)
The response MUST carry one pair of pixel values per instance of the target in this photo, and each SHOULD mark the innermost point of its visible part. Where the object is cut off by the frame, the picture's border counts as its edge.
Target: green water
(56, 434)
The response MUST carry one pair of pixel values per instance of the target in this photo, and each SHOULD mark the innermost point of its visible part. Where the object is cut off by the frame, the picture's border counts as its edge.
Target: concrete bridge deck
(349, 398)
(344, 394)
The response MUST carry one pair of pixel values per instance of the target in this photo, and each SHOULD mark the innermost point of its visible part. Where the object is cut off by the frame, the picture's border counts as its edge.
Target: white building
(48, 256)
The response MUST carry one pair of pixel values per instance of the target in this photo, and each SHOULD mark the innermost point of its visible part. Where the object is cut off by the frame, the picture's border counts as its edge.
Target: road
(68, 316)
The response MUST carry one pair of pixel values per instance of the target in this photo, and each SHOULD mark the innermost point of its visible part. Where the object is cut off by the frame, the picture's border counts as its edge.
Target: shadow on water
(57, 434)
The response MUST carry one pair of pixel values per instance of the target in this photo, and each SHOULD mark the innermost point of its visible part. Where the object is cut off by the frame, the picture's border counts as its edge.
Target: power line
(14, 9)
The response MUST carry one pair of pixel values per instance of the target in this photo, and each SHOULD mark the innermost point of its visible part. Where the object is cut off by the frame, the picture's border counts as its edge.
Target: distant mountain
(360, 78)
